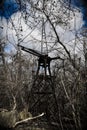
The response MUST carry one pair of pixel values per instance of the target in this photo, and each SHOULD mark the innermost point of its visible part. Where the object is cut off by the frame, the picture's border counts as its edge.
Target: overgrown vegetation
(17, 70)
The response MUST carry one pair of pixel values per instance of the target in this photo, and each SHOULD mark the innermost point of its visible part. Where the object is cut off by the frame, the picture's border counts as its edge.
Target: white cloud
(28, 37)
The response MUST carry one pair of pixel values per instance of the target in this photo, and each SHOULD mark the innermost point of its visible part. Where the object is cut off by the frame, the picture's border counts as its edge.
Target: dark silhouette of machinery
(42, 96)
(43, 61)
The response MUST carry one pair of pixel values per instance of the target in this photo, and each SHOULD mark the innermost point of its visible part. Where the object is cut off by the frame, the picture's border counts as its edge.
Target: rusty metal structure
(42, 96)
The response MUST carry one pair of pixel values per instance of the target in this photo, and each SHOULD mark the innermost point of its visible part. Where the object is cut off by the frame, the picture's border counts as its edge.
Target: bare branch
(28, 119)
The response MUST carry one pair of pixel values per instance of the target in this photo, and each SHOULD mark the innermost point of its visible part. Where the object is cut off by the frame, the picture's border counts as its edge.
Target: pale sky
(67, 35)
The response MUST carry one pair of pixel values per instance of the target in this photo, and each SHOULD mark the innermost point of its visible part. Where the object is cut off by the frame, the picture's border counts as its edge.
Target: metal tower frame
(42, 96)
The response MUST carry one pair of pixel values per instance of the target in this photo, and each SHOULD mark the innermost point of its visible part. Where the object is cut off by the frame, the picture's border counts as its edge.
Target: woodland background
(17, 68)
